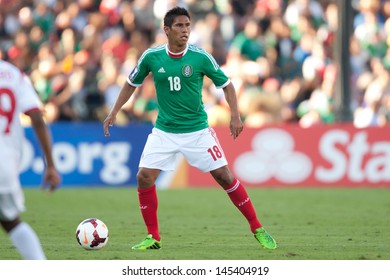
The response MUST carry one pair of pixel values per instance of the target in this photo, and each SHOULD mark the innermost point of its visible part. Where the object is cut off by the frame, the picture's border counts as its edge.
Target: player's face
(180, 31)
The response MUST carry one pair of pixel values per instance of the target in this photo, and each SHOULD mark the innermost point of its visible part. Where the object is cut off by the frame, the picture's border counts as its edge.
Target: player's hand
(236, 127)
(109, 121)
(51, 179)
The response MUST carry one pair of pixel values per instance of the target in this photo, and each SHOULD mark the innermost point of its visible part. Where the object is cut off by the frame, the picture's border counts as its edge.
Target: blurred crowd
(278, 53)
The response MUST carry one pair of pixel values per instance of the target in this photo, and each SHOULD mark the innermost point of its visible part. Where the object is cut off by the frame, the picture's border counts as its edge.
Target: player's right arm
(134, 80)
(125, 93)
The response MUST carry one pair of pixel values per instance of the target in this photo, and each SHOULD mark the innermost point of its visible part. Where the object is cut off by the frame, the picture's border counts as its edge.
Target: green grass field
(202, 224)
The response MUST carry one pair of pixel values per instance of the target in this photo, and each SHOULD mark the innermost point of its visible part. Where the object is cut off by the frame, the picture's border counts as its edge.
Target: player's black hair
(173, 13)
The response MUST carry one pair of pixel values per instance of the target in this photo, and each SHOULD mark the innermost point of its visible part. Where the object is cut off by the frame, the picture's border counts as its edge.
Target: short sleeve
(140, 72)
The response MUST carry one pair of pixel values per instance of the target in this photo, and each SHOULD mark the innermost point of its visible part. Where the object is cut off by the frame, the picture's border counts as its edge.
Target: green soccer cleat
(265, 239)
(148, 243)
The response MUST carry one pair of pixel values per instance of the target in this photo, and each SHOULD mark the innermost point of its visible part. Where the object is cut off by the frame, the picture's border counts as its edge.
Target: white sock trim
(232, 189)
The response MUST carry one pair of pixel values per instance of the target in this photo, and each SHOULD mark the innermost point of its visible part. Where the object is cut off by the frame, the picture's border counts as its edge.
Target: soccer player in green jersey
(178, 69)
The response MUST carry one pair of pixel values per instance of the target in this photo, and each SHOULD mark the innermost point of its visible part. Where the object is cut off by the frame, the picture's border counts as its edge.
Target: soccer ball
(92, 234)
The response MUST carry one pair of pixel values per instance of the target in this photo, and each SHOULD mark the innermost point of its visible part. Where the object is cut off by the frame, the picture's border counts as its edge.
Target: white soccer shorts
(11, 205)
(11, 193)
(201, 149)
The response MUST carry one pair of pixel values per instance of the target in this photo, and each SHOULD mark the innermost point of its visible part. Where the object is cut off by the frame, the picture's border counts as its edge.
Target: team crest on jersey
(187, 70)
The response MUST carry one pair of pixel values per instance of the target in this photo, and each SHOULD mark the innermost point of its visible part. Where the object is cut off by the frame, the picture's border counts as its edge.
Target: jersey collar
(176, 55)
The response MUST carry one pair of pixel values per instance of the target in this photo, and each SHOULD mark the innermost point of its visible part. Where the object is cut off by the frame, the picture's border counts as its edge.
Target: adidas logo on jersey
(161, 70)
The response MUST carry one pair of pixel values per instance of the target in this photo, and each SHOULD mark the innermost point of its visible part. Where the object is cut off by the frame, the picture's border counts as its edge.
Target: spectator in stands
(248, 44)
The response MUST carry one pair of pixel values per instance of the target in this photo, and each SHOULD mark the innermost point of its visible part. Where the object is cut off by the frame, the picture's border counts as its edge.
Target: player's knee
(144, 178)
(10, 225)
(223, 177)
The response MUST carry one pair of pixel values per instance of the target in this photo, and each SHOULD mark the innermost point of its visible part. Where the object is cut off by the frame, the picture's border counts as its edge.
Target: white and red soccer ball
(92, 234)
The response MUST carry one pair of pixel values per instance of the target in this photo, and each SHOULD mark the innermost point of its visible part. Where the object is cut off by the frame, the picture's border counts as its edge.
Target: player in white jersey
(17, 96)
(178, 69)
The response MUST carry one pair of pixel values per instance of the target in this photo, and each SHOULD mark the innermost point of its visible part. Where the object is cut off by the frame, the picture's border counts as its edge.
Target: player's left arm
(51, 177)
(236, 125)
(219, 78)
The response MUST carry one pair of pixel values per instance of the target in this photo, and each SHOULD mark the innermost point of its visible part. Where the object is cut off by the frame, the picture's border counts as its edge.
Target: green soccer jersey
(179, 84)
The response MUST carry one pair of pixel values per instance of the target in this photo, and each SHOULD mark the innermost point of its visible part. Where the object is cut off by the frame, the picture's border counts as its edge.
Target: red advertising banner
(336, 155)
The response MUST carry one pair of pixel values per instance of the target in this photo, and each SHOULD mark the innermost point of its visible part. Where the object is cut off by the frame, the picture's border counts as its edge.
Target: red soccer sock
(241, 200)
(148, 204)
